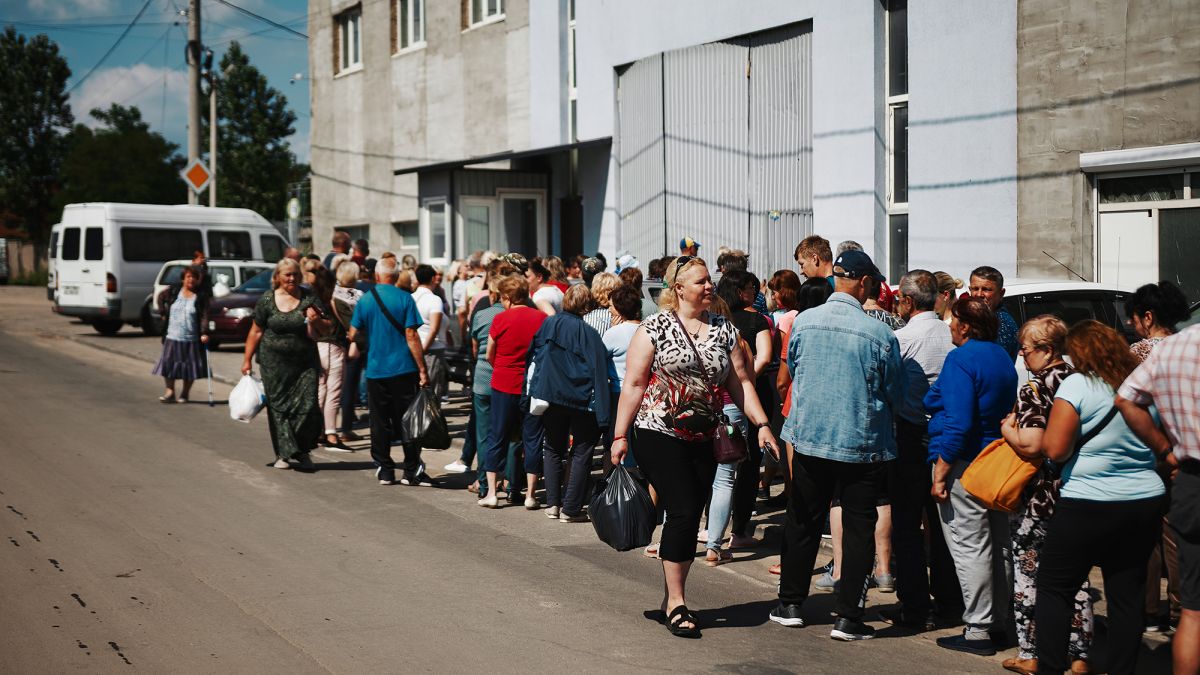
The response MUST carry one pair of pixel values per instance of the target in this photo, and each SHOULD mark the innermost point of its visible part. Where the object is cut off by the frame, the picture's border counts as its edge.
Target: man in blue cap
(689, 246)
(842, 439)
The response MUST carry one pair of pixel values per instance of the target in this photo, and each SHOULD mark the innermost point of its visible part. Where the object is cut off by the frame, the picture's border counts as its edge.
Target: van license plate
(70, 290)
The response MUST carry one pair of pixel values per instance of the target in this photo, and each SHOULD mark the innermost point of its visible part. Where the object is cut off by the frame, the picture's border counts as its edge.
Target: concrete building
(556, 126)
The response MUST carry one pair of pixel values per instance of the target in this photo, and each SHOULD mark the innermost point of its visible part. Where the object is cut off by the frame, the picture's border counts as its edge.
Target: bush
(35, 278)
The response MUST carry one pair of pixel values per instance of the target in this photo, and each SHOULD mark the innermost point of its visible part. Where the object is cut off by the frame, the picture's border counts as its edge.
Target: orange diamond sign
(196, 175)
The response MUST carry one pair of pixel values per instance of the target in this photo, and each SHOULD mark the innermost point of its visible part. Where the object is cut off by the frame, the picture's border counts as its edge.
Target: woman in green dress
(287, 320)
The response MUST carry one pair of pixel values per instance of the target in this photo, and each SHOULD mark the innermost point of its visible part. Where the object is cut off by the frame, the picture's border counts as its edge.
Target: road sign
(196, 175)
(293, 208)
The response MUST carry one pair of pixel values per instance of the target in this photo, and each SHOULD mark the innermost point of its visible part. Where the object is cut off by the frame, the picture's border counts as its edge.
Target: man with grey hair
(848, 245)
(395, 370)
(924, 344)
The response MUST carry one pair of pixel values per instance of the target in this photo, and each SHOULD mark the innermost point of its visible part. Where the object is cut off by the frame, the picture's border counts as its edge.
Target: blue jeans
(482, 405)
(508, 414)
(720, 505)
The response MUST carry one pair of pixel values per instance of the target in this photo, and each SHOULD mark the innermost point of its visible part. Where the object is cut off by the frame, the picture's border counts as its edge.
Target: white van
(52, 257)
(109, 254)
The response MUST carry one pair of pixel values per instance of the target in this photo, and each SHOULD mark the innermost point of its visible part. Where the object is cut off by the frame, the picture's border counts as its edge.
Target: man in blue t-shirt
(395, 370)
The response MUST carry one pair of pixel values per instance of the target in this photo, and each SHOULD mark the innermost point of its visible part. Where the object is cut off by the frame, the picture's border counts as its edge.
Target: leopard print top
(675, 377)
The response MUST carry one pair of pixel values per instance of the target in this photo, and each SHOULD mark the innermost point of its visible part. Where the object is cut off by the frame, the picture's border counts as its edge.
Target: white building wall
(962, 136)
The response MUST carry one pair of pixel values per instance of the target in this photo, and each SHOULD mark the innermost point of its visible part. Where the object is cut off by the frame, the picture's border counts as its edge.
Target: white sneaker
(281, 464)
(552, 512)
(489, 502)
(531, 504)
(456, 467)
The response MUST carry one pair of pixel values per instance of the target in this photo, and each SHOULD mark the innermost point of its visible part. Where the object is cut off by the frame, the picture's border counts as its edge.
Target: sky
(147, 68)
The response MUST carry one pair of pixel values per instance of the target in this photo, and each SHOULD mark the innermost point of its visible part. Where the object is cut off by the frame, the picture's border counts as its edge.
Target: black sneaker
(787, 615)
(421, 479)
(900, 618)
(960, 643)
(848, 630)
(385, 477)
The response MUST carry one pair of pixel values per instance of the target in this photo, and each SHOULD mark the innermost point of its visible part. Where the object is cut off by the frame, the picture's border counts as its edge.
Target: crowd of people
(883, 399)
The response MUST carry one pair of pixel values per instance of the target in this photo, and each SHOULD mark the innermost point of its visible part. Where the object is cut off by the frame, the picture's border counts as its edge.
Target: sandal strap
(684, 613)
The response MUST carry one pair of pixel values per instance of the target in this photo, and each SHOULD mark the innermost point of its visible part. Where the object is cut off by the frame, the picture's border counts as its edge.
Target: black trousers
(745, 484)
(918, 574)
(1117, 537)
(562, 423)
(815, 483)
(351, 374)
(387, 399)
(682, 475)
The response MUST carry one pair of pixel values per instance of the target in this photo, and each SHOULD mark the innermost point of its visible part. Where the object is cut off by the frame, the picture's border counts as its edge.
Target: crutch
(208, 362)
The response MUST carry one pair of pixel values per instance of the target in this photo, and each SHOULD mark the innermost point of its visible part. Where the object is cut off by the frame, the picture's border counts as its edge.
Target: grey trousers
(980, 543)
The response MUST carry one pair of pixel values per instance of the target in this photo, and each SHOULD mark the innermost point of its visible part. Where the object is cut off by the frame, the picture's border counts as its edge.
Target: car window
(216, 271)
(228, 245)
(173, 274)
(1075, 306)
(251, 271)
(258, 283)
(93, 244)
(272, 247)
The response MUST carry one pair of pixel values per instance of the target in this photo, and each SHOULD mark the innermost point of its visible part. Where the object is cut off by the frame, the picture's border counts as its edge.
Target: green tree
(34, 117)
(254, 160)
(123, 161)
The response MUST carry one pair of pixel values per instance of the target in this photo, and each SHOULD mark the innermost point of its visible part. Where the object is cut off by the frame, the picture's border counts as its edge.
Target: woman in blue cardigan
(975, 391)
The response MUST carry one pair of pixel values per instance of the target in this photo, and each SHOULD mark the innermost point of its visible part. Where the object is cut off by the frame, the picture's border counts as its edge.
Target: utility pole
(193, 59)
(212, 139)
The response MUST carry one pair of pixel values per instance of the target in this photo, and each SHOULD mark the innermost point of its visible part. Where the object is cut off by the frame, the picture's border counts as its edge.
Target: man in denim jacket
(847, 382)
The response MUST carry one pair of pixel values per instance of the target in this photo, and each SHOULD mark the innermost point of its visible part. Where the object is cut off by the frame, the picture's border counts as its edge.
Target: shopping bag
(537, 406)
(621, 511)
(439, 378)
(423, 422)
(997, 477)
(247, 398)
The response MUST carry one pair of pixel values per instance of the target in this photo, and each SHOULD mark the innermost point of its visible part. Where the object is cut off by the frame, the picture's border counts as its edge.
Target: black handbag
(729, 445)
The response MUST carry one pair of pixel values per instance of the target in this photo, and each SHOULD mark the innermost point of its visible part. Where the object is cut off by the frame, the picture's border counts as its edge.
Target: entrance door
(477, 216)
(523, 224)
(1128, 248)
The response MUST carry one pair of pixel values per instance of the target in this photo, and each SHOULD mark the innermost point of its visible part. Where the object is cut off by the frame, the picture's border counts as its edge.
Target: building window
(897, 137)
(410, 26)
(436, 234)
(484, 11)
(347, 39)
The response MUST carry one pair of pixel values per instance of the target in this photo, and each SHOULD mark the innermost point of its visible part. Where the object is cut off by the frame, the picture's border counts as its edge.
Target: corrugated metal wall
(707, 128)
(780, 145)
(485, 182)
(734, 120)
(640, 158)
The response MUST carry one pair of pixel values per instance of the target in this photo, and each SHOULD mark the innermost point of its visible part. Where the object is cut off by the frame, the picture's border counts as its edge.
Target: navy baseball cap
(855, 265)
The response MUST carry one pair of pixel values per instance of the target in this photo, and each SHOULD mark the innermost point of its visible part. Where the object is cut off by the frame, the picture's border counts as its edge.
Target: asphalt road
(155, 538)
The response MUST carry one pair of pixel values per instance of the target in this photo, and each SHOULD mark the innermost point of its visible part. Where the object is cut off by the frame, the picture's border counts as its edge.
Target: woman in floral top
(1041, 340)
(675, 363)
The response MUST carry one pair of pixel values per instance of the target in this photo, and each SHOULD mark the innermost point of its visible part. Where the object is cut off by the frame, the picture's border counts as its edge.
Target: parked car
(109, 254)
(231, 273)
(1071, 301)
(229, 317)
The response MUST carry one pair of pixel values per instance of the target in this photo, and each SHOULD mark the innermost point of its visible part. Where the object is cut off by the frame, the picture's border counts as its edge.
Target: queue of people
(883, 399)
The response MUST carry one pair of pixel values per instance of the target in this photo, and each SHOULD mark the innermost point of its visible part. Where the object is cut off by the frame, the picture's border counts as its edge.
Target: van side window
(147, 244)
(229, 245)
(272, 247)
(70, 249)
(93, 244)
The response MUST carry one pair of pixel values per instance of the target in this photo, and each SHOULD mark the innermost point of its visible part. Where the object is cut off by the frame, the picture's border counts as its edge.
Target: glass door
(523, 224)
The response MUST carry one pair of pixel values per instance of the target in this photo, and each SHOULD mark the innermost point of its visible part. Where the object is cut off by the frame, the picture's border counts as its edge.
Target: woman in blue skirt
(183, 357)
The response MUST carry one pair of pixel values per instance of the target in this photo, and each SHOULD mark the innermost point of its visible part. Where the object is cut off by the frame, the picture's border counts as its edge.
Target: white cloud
(70, 9)
(139, 85)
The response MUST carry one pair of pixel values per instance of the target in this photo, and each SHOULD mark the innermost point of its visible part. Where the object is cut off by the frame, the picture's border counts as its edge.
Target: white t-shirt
(550, 294)
(428, 306)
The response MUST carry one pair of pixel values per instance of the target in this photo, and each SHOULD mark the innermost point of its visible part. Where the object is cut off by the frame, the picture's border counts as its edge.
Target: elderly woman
(186, 309)
(1110, 506)
(601, 318)
(1042, 341)
(668, 409)
(570, 372)
(345, 296)
(287, 320)
(974, 392)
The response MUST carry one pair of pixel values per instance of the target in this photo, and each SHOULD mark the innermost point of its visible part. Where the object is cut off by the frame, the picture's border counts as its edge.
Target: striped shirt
(600, 319)
(1170, 379)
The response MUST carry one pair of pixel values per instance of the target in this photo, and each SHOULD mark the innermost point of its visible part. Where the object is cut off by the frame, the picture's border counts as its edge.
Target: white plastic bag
(537, 406)
(247, 399)
(221, 288)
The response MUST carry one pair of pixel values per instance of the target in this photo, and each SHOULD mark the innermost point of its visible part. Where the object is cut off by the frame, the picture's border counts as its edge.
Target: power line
(263, 19)
(112, 48)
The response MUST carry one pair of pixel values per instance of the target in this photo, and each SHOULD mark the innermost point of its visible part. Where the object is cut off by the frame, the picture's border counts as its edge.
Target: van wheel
(107, 326)
(151, 324)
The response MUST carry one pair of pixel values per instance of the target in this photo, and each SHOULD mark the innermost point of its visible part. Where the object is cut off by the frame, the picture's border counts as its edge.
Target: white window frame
(414, 31)
(460, 222)
(893, 207)
(487, 18)
(349, 40)
(426, 233)
(1191, 193)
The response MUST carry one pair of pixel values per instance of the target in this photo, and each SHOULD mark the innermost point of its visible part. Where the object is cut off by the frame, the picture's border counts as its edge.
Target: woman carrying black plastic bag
(675, 362)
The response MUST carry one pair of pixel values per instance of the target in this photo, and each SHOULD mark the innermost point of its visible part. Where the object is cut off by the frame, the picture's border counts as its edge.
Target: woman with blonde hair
(287, 321)
(948, 288)
(666, 416)
(1043, 343)
(601, 318)
(345, 297)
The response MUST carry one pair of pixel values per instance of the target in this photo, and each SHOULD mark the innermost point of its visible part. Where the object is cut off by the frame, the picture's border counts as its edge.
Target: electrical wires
(112, 48)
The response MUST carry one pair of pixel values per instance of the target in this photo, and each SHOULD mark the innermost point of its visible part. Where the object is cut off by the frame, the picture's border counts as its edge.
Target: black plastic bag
(621, 511)
(423, 422)
(439, 381)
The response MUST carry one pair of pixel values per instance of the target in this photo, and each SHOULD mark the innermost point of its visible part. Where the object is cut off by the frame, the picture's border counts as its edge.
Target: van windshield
(258, 283)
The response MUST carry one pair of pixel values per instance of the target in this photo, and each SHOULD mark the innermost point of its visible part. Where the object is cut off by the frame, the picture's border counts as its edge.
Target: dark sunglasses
(681, 261)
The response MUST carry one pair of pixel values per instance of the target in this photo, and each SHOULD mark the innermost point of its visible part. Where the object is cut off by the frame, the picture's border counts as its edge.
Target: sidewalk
(25, 311)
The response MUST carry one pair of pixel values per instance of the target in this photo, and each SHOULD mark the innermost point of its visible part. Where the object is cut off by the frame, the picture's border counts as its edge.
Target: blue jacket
(570, 366)
(973, 394)
(847, 381)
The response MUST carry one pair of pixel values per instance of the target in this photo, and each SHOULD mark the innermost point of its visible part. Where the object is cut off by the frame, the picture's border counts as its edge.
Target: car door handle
(85, 270)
